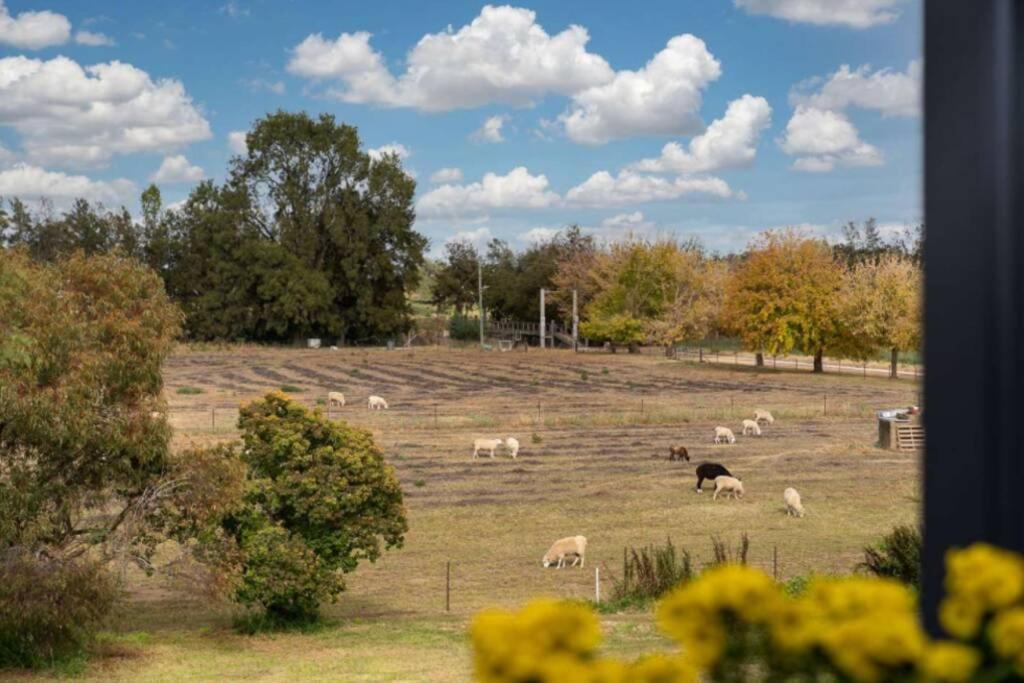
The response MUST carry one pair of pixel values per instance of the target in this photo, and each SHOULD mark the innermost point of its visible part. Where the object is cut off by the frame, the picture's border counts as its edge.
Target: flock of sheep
(336, 399)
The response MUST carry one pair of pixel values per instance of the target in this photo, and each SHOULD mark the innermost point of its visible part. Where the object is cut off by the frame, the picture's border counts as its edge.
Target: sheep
(793, 504)
(678, 453)
(710, 470)
(751, 427)
(377, 403)
(486, 445)
(512, 444)
(728, 485)
(563, 548)
(763, 416)
(335, 399)
(724, 434)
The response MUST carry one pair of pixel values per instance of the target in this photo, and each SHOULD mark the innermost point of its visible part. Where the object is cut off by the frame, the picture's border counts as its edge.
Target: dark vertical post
(974, 299)
(448, 587)
(775, 562)
(213, 419)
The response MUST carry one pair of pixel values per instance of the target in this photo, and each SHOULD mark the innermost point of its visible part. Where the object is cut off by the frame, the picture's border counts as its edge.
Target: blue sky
(777, 112)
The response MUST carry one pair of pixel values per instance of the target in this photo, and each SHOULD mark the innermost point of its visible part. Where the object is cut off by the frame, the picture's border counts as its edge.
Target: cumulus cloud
(852, 13)
(397, 149)
(446, 175)
(478, 238)
(236, 142)
(662, 98)
(67, 114)
(490, 131)
(823, 140)
(893, 93)
(177, 169)
(729, 142)
(503, 55)
(517, 189)
(35, 183)
(33, 30)
(604, 189)
(6, 156)
(538, 235)
(93, 39)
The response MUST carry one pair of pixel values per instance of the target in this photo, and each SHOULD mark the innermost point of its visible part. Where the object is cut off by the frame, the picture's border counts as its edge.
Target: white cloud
(177, 169)
(853, 13)
(446, 175)
(537, 235)
(729, 142)
(262, 84)
(503, 55)
(893, 93)
(515, 190)
(490, 131)
(33, 30)
(397, 149)
(6, 156)
(34, 183)
(604, 189)
(93, 39)
(79, 116)
(662, 98)
(823, 140)
(236, 142)
(478, 238)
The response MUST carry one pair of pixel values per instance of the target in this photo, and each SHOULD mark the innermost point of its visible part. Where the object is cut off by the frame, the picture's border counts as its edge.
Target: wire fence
(863, 368)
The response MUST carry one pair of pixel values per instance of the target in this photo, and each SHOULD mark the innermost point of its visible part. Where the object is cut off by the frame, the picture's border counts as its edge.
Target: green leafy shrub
(463, 328)
(318, 499)
(291, 389)
(650, 572)
(536, 438)
(49, 609)
(897, 556)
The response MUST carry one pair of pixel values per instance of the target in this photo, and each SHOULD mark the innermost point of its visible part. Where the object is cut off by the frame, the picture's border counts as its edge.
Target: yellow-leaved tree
(881, 306)
(784, 295)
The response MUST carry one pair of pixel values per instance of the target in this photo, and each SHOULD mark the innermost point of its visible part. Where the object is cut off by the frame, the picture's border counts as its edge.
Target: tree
(881, 306)
(784, 295)
(455, 283)
(318, 498)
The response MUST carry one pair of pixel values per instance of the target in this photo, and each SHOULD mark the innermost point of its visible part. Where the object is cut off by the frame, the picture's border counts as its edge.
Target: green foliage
(85, 227)
(419, 483)
(536, 438)
(462, 328)
(722, 554)
(49, 609)
(897, 556)
(188, 391)
(650, 572)
(291, 389)
(456, 279)
(318, 499)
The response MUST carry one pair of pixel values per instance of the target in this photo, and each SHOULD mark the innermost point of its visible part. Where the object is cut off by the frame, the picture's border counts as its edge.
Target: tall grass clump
(723, 554)
(650, 572)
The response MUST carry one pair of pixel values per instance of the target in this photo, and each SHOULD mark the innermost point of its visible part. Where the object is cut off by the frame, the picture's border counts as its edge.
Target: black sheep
(710, 470)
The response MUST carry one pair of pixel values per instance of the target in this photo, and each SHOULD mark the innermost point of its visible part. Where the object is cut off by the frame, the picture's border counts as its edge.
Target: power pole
(575, 323)
(480, 296)
(543, 331)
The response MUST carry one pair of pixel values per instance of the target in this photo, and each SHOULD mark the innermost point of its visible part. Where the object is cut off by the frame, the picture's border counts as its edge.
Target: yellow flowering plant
(734, 623)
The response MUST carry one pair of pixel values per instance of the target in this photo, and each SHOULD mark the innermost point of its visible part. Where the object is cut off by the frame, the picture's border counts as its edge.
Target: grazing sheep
(763, 416)
(728, 485)
(377, 403)
(793, 504)
(489, 445)
(710, 471)
(563, 548)
(678, 453)
(751, 427)
(335, 399)
(512, 444)
(724, 434)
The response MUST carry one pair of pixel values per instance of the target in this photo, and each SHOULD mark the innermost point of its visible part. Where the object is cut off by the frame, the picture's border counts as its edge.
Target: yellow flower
(661, 669)
(795, 626)
(960, 618)
(1007, 633)
(989, 577)
(948, 662)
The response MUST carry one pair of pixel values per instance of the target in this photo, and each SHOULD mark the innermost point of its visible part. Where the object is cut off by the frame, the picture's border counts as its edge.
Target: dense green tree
(455, 282)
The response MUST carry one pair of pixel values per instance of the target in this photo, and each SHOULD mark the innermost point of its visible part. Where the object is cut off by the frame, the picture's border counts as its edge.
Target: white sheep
(563, 548)
(377, 403)
(486, 445)
(793, 505)
(751, 427)
(724, 434)
(728, 485)
(335, 399)
(763, 416)
(512, 444)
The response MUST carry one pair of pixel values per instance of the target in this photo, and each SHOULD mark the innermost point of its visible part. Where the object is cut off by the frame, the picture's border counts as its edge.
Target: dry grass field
(595, 431)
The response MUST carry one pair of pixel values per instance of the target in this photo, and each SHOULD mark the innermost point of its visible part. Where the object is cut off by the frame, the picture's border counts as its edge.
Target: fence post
(641, 406)
(435, 415)
(775, 362)
(213, 419)
(448, 587)
(775, 562)
(597, 584)
(824, 410)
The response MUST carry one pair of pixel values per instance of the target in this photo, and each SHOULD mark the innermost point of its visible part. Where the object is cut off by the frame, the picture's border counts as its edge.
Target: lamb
(563, 548)
(512, 444)
(486, 445)
(377, 403)
(335, 399)
(763, 416)
(793, 504)
(724, 434)
(710, 470)
(678, 453)
(728, 485)
(751, 427)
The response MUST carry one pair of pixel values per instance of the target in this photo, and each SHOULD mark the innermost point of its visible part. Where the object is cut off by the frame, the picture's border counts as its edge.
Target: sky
(713, 119)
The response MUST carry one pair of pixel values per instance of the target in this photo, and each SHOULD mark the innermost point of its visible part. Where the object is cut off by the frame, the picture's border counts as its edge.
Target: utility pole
(543, 325)
(480, 295)
(575, 323)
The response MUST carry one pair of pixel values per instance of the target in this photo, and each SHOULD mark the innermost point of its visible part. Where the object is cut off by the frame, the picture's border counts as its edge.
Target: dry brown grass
(593, 473)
